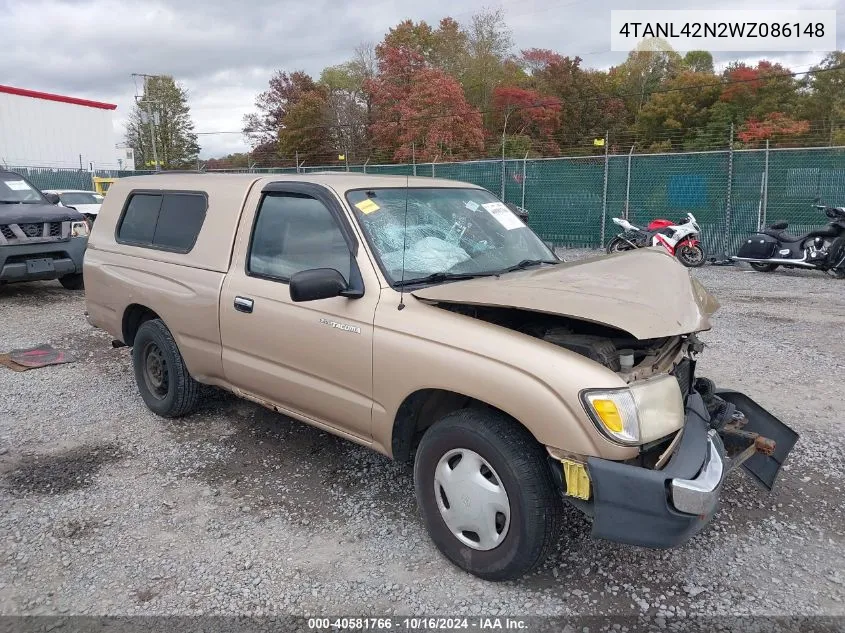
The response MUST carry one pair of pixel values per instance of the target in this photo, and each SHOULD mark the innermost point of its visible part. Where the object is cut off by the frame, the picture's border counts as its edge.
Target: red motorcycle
(678, 238)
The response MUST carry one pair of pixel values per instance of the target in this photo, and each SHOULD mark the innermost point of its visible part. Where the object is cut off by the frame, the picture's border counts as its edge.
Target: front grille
(683, 374)
(7, 231)
(32, 229)
(55, 229)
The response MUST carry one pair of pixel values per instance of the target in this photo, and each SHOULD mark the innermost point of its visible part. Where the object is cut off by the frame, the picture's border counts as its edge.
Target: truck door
(313, 359)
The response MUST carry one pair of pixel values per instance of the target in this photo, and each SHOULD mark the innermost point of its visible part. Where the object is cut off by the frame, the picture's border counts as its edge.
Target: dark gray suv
(38, 239)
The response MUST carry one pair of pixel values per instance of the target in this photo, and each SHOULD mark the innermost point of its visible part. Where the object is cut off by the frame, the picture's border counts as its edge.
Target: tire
(618, 245)
(691, 256)
(763, 268)
(517, 464)
(73, 281)
(164, 382)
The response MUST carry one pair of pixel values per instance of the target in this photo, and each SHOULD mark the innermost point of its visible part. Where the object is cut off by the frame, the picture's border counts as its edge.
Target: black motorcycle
(821, 249)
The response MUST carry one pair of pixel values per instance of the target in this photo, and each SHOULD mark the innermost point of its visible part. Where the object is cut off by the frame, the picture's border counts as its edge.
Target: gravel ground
(107, 509)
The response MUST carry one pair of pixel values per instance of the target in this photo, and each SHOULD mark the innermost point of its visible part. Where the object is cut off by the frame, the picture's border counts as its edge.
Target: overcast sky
(224, 52)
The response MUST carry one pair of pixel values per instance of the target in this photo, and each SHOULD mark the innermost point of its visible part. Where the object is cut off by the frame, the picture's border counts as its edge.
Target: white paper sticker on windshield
(472, 206)
(505, 216)
(17, 185)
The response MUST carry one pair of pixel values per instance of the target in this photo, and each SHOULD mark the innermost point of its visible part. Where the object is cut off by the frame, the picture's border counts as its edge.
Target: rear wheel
(763, 268)
(690, 255)
(160, 372)
(486, 494)
(618, 245)
(73, 281)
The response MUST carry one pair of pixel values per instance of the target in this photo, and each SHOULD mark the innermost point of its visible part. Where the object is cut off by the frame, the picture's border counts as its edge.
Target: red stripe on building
(22, 92)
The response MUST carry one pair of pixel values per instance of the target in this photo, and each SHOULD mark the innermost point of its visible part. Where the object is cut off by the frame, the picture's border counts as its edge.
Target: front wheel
(618, 245)
(690, 255)
(486, 495)
(763, 268)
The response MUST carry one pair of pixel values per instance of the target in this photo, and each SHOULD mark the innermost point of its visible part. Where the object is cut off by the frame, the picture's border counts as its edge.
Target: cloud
(225, 52)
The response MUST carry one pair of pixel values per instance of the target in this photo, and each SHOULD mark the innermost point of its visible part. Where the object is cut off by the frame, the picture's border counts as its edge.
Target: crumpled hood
(22, 213)
(644, 292)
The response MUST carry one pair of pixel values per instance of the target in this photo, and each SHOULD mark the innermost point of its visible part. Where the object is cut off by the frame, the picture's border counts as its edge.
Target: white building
(39, 129)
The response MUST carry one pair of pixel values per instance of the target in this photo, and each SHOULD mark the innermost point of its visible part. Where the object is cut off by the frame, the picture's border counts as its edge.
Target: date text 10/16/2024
(417, 624)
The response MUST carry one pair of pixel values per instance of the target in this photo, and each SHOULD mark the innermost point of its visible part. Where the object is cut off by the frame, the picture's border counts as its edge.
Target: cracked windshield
(456, 232)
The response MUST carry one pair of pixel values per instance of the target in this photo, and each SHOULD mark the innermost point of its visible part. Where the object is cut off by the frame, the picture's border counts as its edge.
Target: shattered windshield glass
(449, 230)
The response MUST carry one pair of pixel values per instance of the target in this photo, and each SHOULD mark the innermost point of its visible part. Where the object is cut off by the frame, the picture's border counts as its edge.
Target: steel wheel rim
(697, 254)
(156, 373)
(472, 500)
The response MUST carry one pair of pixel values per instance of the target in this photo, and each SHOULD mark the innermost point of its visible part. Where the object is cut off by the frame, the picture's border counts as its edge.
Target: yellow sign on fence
(101, 185)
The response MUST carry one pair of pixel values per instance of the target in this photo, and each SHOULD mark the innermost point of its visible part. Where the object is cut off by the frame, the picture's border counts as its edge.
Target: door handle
(243, 304)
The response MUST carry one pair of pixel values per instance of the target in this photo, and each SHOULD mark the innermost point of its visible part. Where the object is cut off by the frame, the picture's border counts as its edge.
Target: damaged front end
(671, 491)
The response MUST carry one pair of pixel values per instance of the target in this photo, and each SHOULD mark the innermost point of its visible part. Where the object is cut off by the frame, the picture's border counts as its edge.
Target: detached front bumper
(662, 508)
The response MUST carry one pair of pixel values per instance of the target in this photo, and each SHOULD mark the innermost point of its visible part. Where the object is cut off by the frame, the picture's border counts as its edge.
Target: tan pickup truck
(423, 319)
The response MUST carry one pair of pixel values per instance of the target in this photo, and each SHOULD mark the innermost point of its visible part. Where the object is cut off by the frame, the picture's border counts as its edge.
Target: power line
(546, 104)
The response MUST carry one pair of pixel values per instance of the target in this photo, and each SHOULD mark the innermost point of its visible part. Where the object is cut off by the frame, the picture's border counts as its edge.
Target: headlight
(644, 412)
(79, 229)
(614, 412)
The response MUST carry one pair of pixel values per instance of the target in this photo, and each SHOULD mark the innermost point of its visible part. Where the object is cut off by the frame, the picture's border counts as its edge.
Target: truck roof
(339, 181)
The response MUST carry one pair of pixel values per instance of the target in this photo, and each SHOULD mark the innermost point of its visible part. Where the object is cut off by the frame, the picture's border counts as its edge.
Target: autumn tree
(162, 114)
(776, 125)
(238, 160)
(525, 113)
(421, 109)
(755, 91)
(285, 90)
(588, 109)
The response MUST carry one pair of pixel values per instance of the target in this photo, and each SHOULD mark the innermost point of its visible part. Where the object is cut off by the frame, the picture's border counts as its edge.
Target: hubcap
(471, 499)
(155, 371)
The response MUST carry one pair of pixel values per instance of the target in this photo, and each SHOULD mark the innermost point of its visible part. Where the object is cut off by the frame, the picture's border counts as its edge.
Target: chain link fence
(571, 201)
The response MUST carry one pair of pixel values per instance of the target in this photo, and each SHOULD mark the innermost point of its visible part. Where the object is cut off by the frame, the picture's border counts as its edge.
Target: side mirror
(52, 198)
(316, 283)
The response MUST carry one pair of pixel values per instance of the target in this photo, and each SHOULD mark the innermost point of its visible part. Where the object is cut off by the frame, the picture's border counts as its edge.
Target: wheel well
(420, 410)
(133, 317)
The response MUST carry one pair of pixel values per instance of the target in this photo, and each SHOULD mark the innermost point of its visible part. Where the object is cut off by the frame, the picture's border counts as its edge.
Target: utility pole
(146, 113)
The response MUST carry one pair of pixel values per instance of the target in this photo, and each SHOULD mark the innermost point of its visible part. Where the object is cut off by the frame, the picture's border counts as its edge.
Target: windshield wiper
(527, 263)
(441, 276)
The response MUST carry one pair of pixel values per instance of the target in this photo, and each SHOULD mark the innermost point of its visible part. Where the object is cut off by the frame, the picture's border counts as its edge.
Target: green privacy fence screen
(571, 201)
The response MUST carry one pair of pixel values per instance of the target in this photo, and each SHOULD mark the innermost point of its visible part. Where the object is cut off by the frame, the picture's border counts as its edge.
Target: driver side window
(295, 232)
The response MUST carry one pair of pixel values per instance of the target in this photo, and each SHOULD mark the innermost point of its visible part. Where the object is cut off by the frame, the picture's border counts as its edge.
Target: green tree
(348, 107)
(680, 113)
(489, 45)
(644, 72)
(824, 102)
(162, 113)
(699, 62)
(305, 129)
